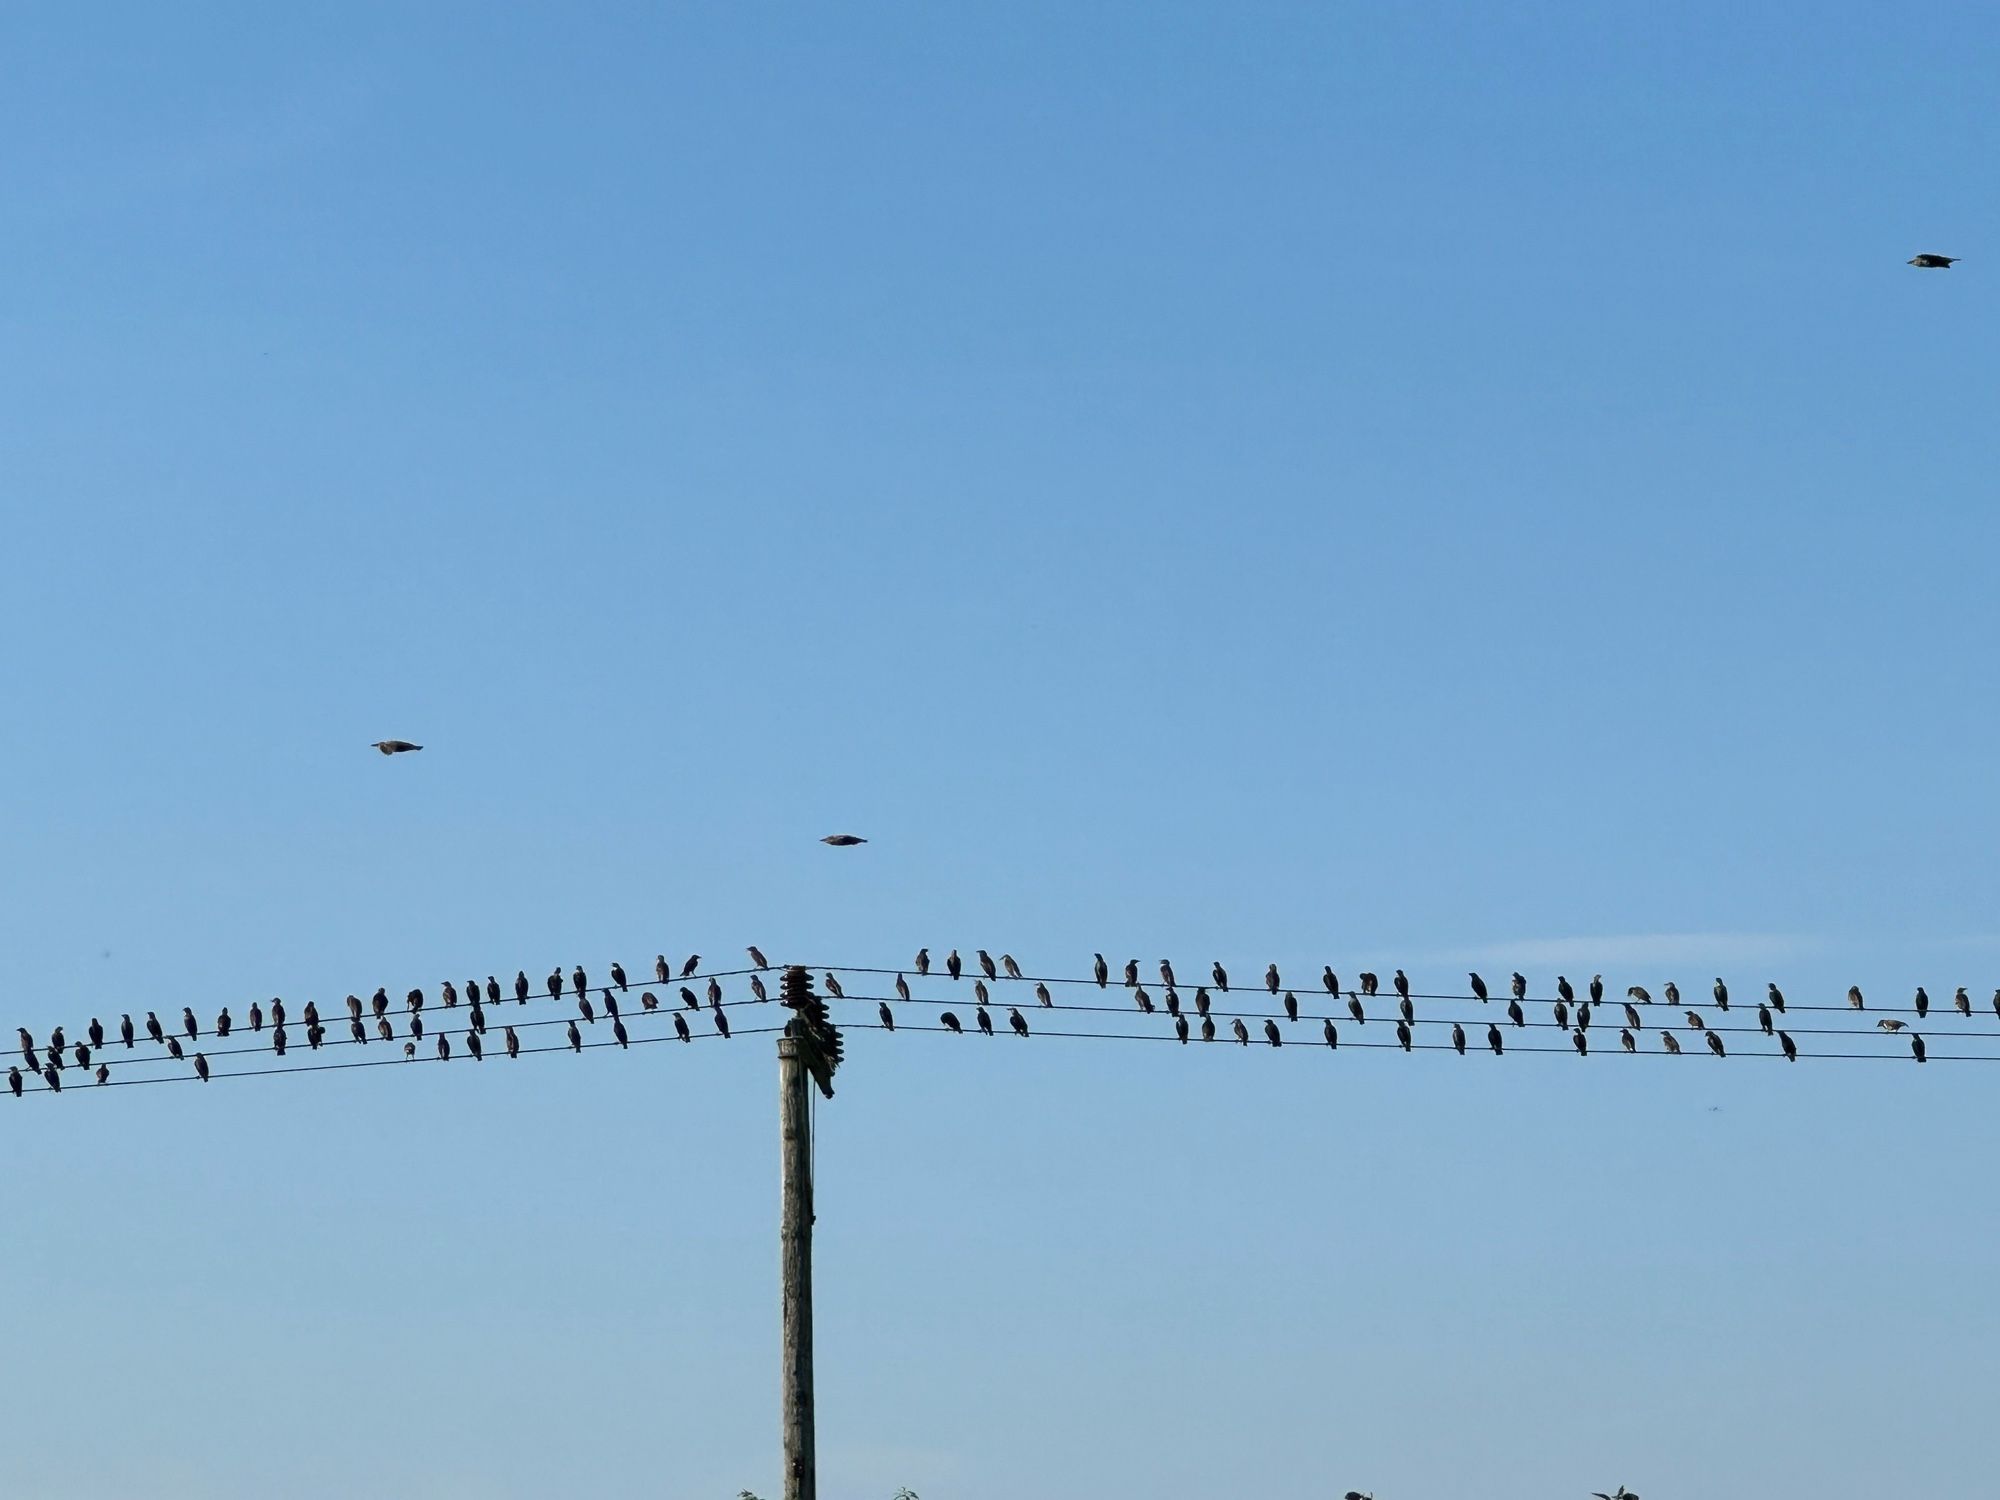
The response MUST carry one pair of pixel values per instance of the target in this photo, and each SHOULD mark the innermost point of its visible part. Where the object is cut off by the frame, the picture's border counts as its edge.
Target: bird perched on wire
(1561, 1013)
(987, 966)
(1041, 994)
(1596, 988)
(888, 1016)
(617, 975)
(1695, 1021)
(1671, 1042)
(1791, 1047)
(1621, 1493)
(952, 964)
(690, 999)
(356, 1030)
(1961, 1002)
(1581, 1041)
(1519, 984)
(648, 1000)
(154, 1029)
(1773, 996)
(1764, 1019)
(395, 747)
(125, 1022)
(1638, 992)
(833, 987)
(1201, 1000)
(1627, 1040)
(1329, 979)
(1017, 1021)
(1009, 967)
(1929, 262)
(1291, 1006)
(449, 992)
(983, 1019)
(950, 1022)
(1271, 1032)
(1271, 979)
(617, 1030)
(1715, 1043)
(1131, 979)
(584, 1008)
(1403, 1034)
(1370, 985)
(1143, 1000)
(1917, 1047)
(1099, 970)
(1632, 1017)
(1516, 1014)
(979, 991)
(1328, 1030)
(1220, 976)
(1457, 1038)
(575, 1037)
(1478, 987)
(681, 1026)
(1854, 1001)
(1494, 1040)
(1406, 1009)
(1887, 1025)
(1181, 1028)
(662, 970)
(693, 963)
(187, 1023)
(1922, 1002)
(1355, 1010)
(1208, 1028)
(1241, 1032)
(843, 840)
(1672, 993)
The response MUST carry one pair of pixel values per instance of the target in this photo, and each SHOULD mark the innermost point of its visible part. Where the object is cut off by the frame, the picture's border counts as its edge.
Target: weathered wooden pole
(795, 1235)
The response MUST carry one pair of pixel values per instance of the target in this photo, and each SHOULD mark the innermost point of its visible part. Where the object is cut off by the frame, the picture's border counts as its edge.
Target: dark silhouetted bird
(843, 840)
(380, 1002)
(1240, 1031)
(1201, 1000)
(1370, 985)
(353, 1007)
(174, 1048)
(1773, 996)
(980, 992)
(1008, 967)
(1562, 1015)
(1327, 1030)
(1996, 1002)
(1291, 1006)
(1131, 979)
(449, 992)
(902, 988)
(357, 1031)
(690, 999)
(987, 966)
(1181, 1029)
(1403, 1034)
(1271, 979)
(950, 1022)
(1565, 991)
(1144, 1000)
(1405, 1009)
(315, 1034)
(833, 987)
(53, 1078)
(1494, 1041)
(1887, 1025)
(1854, 1001)
(1621, 1493)
(1638, 992)
(681, 1026)
(278, 1040)
(575, 1037)
(1961, 1002)
(1220, 975)
(693, 963)
(1596, 988)
(187, 1023)
(1330, 979)
(14, 1081)
(443, 1047)
(952, 964)
(757, 987)
(1402, 984)
(1478, 987)
(1458, 1038)
(1764, 1019)
(983, 1020)
(1516, 1014)
(96, 1032)
(154, 1029)
(618, 975)
(1355, 1010)
(1632, 1017)
(1208, 1028)
(394, 747)
(618, 1031)
(662, 970)
(1099, 970)
(1173, 999)
(1923, 1003)
(1042, 993)
(125, 1024)
(409, 1052)
(1917, 1047)
(922, 962)
(1519, 986)
(416, 1027)
(311, 1014)
(585, 1009)
(1626, 1040)
(478, 1050)
(1715, 1043)
(888, 1016)
(757, 961)
(1581, 1041)
(201, 1067)
(492, 990)
(1672, 993)
(555, 983)
(103, 1074)
(1791, 1047)
(521, 987)
(1929, 262)
(384, 1030)
(1671, 1042)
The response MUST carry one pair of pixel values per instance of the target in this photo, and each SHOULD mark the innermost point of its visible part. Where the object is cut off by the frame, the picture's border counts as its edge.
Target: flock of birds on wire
(1574, 1012)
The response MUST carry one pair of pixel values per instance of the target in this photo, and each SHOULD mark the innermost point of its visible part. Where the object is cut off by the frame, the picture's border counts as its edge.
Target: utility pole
(810, 1045)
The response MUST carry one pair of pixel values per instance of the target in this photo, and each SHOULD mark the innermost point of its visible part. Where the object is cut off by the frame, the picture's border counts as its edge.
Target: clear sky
(1419, 485)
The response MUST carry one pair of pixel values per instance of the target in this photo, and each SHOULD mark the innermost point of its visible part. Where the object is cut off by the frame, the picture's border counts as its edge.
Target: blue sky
(1391, 485)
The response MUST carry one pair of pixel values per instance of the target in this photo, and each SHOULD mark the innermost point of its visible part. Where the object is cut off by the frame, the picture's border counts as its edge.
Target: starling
(1923, 1003)
(356, 1031)
(1201, 999)
(922, 963)
(53, 1078)
(1402, 984)
(394, 747)
(1621, 1493)
(1632, 1017)
(174, 1048)
(986, 965)
(1407, 1010)
(1562, 1016)
(1042, 993)
(1330, 979)
(443, 1047)
(1514, 1013)
(492, 990)
(1694, 1020)
(1181, 1029)
(1626, 1040)
(1099, 970)
(690, 999)
(1887, 1025)
(96, 1032)
(1583, 1017)
(693, 963)
(618, 974)
(1670, 1042)
(478, 1051)
(1494, 1041)
(1929, 262)
(952, 965)
(1173, 1002)
(1271, 979)
(1167, 973)
(278, 1040)
(575, 1038)
(1854, 1001)
(1291, 1006)
(1715, 1044)
(82, 1055)
(1996, 1002)
(833, 987)
(353, 1007)
(103, 1073)
(681, 1026)
(984, 1020)
(903, 988)
(648, 1000)
(1565, 991)
(384, 1030)
(888, 1016)
(757, 959)
(201, 1067)
(555, 983)
(1764, 1019)
(585, 1009)
(380, 1002)
(617, 1030)
(1638, 992)
(1131, 973)
(1220, 975)
(1403, 1034)
(1145, 1001)
(1369, 983)
(56, 1041)
(1458, 1038)
(1961, 1002)
(1775, 995)
(950, 1022)
(154, 1029)
(1917, 1047)
(1271, 1032)
(1242, 1032)
(256, 1020)
(1520, 986)
(187, 1023)
(1791, 1047)
(1596, 988)
(1354, 1009)
(715, 993)
(312, 1014)
(1009, 967)
(125, 1022)
(416, 1027)
(757, 987)
(721, 1023)
(1208, 1028)
(979, 991)
(315, 1034)
(843, 840)
(1478, 988)
(14, 1081)
(449, 993)
(1581, 1041)
(662, 970)
(409, 1051)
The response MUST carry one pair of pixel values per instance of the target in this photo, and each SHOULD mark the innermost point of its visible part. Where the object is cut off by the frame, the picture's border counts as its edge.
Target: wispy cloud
(1632, 949)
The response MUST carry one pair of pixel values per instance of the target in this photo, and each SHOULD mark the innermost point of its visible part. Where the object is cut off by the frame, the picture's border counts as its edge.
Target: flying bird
(395, 747)
(843, 840)
(1929, 262)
